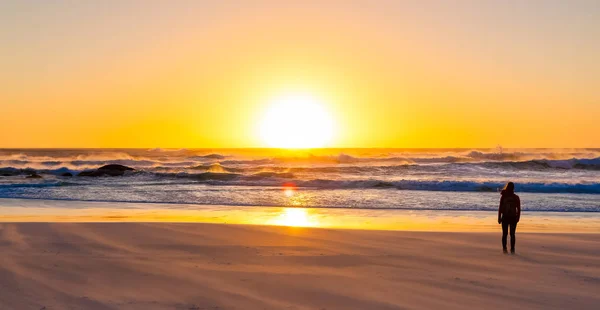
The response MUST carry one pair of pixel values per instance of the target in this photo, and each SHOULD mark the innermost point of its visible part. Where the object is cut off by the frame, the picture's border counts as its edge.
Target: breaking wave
(274, 179)
(350, 177)
(456, 186)
(269, 166)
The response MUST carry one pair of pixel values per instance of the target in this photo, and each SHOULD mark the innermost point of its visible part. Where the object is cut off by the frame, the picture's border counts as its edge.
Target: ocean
(548, 180)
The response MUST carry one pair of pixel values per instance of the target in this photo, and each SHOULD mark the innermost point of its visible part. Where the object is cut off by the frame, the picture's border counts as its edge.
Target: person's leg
(504, 234)
(513, 229)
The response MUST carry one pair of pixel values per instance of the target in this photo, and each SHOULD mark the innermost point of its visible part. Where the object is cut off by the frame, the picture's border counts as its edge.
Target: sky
(389, 73)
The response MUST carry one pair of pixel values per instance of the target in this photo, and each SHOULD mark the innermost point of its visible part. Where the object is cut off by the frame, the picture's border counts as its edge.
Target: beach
(225, 266)
(299, 155)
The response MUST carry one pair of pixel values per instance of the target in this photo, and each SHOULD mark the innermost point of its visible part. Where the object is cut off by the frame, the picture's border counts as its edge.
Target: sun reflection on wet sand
(294, 217)
(16, 210)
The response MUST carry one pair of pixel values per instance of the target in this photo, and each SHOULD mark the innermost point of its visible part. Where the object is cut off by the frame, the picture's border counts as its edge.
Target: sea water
(548, 180)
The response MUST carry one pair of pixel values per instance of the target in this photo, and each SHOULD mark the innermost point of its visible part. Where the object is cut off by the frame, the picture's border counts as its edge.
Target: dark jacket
(506, 199)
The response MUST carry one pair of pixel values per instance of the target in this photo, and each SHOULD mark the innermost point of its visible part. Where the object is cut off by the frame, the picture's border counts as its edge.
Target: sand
(221, 266)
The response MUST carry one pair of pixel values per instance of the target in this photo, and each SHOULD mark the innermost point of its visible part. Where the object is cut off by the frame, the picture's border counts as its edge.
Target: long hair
(509, 188)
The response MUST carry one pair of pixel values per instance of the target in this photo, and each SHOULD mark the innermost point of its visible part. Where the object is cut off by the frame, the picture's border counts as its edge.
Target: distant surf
(321, 178)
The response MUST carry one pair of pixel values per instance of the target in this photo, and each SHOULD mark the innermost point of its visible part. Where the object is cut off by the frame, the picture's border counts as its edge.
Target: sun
(296, 122)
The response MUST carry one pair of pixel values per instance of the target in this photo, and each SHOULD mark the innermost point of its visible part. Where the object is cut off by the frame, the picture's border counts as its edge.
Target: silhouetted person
(509, 214)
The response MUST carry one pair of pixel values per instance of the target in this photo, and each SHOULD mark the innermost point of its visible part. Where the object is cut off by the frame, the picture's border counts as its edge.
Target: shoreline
(34, 210)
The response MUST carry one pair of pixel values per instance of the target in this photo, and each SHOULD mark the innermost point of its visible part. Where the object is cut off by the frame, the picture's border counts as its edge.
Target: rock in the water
(9, 171)
(87, 173)
(66, 174)
(115, 167)
(33, 176)
(112, 170)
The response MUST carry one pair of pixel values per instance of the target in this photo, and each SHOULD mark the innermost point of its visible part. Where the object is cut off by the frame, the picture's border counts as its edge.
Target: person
(509, 214)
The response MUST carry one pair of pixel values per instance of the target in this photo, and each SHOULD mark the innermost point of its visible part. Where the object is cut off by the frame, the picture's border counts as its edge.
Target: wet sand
(223, 266)
(35, 210)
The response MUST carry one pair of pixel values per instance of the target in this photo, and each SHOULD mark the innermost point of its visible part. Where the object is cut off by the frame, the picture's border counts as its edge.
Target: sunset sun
(296, 121)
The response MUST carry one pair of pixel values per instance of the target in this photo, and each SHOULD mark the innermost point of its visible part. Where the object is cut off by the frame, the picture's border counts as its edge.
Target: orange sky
(158, 74)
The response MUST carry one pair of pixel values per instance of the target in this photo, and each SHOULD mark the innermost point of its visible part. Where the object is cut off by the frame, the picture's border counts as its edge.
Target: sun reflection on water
(294, 196)
(289, 192)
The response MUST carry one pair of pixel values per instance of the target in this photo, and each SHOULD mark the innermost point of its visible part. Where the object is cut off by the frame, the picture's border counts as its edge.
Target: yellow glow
(294, 217)
(389, 78)
(296, 121)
